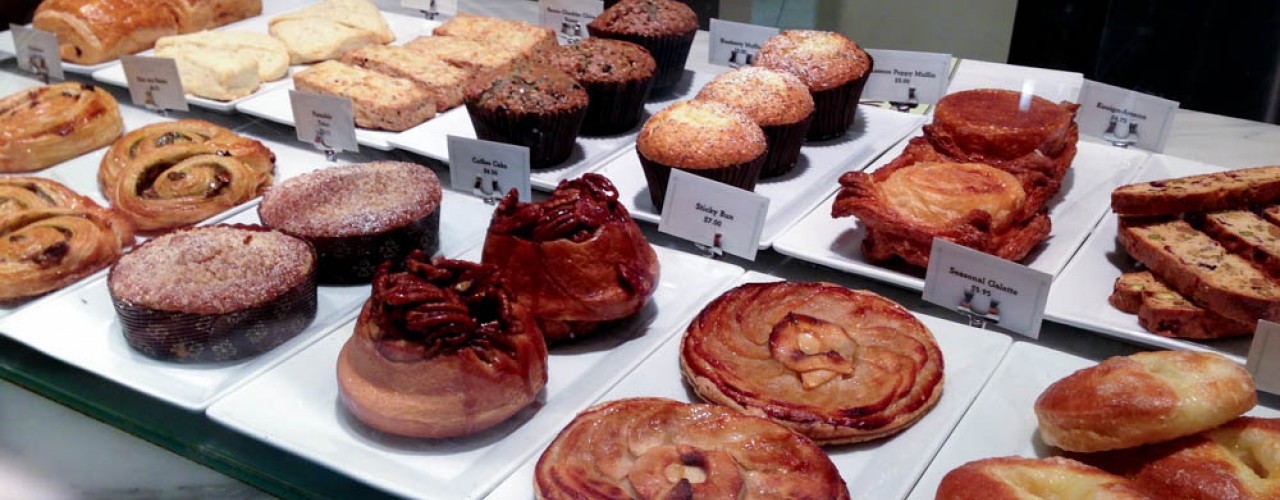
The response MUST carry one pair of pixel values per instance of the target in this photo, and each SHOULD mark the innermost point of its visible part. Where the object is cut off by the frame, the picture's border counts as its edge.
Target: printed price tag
(488, 169)
(1124, 117)
(324, 121)
(432, 8)
(568, 18)
(154, 82)
(715, 214)
(986, 288)
(735, 44)
(1264, 357)
(37, 52)
(906, 77)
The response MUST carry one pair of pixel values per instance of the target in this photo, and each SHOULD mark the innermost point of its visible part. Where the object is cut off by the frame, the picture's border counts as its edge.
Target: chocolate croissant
(48, 125)
(575, 260)
(441, 349)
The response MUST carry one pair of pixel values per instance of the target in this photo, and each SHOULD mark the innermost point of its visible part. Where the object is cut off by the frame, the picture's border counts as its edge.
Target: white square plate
(970, 356)
(1002, 420)
(1079, 296)
(1050, 84)
(296, 407)
(791, 195)
(1085, 195)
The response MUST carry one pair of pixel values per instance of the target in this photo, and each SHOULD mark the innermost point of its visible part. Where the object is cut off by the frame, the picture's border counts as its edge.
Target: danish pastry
(95, 31)
(51, 124)
(1017, 478)
(837, 365)
(174, 174)
(659, 448)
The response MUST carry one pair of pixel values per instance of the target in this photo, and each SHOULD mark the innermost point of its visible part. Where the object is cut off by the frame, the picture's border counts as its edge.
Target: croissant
(576, 260)
(51, 237)
(48, 125)
(175, 174)
(440, 349)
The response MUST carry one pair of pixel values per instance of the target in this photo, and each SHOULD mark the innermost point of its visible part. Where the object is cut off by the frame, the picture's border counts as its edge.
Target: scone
(1017, 478)
(445, 84)
(705, 138)
(325, 30)
(665, 28)
(225, 65)
(837, 365)
(47, 125)
(377, 100)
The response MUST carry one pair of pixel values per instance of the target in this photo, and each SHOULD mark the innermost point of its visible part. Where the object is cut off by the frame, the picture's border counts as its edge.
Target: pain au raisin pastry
(215, 293)
(358, 216)
(95, 31)
(48, 125)
(441, 349)
(904, 207)
(576, 260)
(659, 448)
(837, 365)
(51, 237)
(1017, 478)
(174, 174)
(1145, 398)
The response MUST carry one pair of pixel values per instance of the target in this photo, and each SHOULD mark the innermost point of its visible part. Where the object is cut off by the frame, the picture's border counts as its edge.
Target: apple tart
(48, 125)
(174, 174)
(659, 448)
(837, 365)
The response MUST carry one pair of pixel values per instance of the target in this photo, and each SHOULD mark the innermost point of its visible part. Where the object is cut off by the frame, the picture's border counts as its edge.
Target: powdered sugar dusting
(355, 200)
(822, 59)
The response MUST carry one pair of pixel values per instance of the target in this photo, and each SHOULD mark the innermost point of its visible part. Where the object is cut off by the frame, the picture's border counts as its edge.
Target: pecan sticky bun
(441, 349)
(575, 260)
(659, 448)
(835, 364)
(51, 237)
(45, 126)
(175, 174)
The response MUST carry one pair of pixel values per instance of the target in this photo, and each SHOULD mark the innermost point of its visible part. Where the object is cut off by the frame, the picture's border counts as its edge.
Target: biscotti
(377, 100)
(1164, 311)
(325, 30)
(445, 83)
(225, 65)
(1248, 235)
(1199, 193)
(529, 40)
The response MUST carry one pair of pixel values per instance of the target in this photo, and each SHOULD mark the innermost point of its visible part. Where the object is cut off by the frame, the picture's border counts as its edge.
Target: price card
(1264, 357)
(715, 214)
(1124, 117)
(902, 76)
(488, 169)
(37, 52)
(433, 8)
(735, 44)
(324, 121)
(986, 288)
(568, 18)
(154, 82)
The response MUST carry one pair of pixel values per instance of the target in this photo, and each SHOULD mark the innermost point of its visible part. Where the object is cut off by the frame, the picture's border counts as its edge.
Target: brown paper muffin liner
(614, 107)
(669, 51)
(742, 175)
(834, 109)
(353, 259)
(784, 146)
(549, 136)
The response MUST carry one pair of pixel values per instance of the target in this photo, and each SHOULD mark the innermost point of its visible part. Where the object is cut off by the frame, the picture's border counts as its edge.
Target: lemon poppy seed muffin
(834, 68)
(663, 27)
(617, 76)
(778, 102)
(706, 138)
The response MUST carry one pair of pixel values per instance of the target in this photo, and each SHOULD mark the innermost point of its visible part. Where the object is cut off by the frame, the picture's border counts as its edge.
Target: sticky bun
(48, 125)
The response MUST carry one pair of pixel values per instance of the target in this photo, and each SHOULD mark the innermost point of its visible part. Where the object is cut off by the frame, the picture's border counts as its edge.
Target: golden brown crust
(701, 135)
(1015, 478)
(1164, 311)
(1145, 398)
(532, 41)
(835, 364)
(769, 97)
(659, 448)
(1199, 193)
(45, 126)
(821, 59)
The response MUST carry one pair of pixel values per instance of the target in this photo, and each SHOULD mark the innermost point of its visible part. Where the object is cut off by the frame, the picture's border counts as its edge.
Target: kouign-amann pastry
(617, 76)
(529, 104)
(837, 365)
(325, 30)
(174, 174)
(446, 84)
(378, 101)
(463, 53)
(778, 102)
(225, 65)
(358, 216)
(705, 138)
(48, 125)
(1164, 311)
(665, 28)
(441, 349)
(659, 448)
(529, 40)
(835, 69)
(215, 293)
(1017, 478)
(577, 261)
(95, 31)
(1145, 398)
(51, 237)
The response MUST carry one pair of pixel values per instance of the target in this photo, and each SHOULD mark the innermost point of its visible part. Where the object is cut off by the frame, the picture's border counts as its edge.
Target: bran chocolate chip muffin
(778, 102)
(529, 104)
(617, 76)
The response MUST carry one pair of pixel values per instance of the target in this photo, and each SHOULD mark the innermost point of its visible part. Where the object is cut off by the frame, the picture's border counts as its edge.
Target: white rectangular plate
(6, 46)
(80, 327)
(791, 195)
(431, 138)
(1085, 195)
(1002, 420)
(1050, 84)
(1079, 296)
(970, 357)
(295, 406)
(404, 27)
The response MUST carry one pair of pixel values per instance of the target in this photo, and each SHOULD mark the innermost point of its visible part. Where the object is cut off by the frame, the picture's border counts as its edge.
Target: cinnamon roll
(441, 349)
(576, 260)
(48, 125)
(175, 174)
(51, 237)
(659, 448)
(835, 364)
